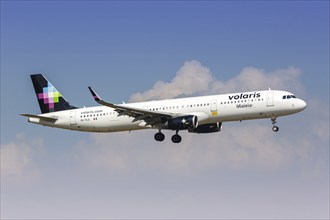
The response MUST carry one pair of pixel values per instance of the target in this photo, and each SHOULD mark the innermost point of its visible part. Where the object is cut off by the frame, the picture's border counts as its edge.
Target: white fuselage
(208, 109)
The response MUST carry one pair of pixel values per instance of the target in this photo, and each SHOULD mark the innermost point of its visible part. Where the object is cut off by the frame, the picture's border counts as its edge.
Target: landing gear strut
(176, 138)
(275, 128)
(159, 136)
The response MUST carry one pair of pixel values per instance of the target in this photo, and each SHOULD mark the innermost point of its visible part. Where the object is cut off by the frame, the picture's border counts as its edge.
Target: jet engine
(207, 128)
(182, 122)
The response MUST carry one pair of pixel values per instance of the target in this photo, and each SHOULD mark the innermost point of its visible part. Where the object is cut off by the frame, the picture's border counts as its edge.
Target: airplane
(203, 114)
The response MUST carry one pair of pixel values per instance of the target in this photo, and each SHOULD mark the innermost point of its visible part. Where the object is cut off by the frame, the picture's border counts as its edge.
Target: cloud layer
(195, 79)
(18, 160)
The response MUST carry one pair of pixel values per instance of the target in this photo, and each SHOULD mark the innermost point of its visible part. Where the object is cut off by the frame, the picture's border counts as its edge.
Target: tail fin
(50, 100)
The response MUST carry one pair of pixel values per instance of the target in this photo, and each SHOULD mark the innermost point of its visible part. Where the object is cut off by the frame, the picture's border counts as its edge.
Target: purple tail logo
(50, 95)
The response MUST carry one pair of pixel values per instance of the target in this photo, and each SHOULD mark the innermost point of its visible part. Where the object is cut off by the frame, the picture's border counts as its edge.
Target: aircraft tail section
(49, 98)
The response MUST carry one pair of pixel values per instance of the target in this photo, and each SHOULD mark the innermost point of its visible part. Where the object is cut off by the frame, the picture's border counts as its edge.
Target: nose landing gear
(275, 128)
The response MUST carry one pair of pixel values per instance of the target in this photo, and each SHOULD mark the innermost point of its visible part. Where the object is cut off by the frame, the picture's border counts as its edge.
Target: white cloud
(194, 78)
(17, 160)
(246, 146)
(251, 78)
(191, 78)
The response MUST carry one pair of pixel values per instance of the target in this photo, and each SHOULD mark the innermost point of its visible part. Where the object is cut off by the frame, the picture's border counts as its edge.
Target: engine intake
(182, 122)
(206, 128)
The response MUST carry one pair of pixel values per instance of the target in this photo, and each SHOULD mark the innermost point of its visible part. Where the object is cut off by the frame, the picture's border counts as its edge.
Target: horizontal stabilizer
(45, 118)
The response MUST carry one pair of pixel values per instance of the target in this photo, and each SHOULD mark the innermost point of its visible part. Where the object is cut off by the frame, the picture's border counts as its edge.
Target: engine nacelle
(182, 122)
(207, 128)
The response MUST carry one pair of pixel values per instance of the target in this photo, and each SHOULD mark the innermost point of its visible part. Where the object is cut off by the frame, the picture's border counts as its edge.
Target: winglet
(98, 99)
(95, 95)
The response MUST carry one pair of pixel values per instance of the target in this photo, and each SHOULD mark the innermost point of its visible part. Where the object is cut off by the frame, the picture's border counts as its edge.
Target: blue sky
(122, 49)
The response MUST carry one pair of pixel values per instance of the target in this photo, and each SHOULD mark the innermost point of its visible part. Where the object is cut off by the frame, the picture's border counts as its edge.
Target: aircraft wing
(150, 117)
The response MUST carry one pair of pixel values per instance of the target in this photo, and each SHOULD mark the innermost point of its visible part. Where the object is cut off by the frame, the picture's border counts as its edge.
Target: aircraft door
(73, 120)
(214, 107)
(270, 99)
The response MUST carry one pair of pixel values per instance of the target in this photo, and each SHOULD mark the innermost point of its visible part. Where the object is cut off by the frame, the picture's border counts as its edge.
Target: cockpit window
(289, 97)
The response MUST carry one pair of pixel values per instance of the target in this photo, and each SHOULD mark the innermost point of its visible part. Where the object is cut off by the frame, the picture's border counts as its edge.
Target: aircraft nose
(301, 105)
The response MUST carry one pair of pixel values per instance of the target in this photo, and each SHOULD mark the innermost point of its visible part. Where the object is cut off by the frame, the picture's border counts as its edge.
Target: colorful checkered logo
(50, 95)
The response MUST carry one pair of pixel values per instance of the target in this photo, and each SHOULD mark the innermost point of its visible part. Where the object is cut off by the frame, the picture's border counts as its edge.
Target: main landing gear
(159, 136)
(175, 138)
(275, 128)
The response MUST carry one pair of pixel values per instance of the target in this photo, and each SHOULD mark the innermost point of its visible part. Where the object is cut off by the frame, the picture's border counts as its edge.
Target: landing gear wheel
(159, 136)
(176, 138)
(275, 128)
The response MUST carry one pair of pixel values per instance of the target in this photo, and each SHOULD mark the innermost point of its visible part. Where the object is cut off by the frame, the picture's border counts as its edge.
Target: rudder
(50, 100)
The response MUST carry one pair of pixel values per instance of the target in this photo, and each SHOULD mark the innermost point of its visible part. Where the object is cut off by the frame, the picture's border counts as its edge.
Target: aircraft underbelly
(107, 125)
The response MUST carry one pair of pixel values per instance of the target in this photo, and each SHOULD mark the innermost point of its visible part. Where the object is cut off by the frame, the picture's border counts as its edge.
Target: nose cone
(301, 104)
